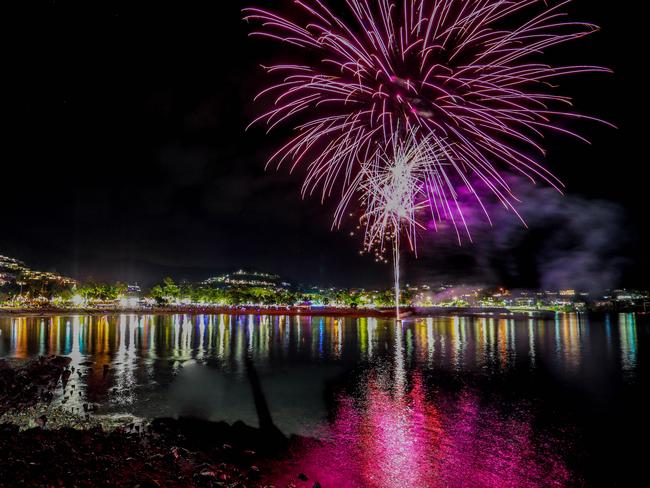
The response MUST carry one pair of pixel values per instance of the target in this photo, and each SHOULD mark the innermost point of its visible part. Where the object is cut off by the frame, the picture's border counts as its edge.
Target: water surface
(447, 401)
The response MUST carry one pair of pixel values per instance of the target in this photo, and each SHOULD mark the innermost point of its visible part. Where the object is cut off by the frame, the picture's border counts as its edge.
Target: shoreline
(388, 312)
(47, 445)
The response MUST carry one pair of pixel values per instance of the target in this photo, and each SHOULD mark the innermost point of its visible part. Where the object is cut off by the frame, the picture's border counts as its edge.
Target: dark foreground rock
(43, 446)
(31, 383)
(167, 453)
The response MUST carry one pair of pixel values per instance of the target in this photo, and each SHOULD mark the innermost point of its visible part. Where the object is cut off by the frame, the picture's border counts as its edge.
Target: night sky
(125, 158)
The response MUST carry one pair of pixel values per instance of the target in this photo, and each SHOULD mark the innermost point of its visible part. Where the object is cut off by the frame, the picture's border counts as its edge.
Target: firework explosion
(403, 179)
(460, 77)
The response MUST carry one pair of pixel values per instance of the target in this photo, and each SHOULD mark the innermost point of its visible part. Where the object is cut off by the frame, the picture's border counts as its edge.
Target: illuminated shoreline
(385, 312)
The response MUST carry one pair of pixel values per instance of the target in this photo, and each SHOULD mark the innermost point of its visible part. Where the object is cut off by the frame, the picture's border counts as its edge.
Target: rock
(208, 473)
(60, 361)
(180, 452)
(30, 383)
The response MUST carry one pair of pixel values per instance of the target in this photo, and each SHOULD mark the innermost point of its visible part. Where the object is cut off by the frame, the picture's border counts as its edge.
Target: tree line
(168, 292)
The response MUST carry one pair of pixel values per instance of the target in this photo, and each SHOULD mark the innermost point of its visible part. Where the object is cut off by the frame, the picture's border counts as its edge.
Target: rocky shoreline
(47, 446)
(26, 385)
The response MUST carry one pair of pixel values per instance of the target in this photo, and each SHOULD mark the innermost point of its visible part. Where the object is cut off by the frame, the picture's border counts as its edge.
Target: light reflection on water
(369, 387)
(395, 438)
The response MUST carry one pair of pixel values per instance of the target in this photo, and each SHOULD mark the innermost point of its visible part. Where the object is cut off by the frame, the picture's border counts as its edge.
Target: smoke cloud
(569, 242)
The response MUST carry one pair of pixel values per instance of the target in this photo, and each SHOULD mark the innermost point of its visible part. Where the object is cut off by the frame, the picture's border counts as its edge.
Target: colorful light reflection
(384, 438)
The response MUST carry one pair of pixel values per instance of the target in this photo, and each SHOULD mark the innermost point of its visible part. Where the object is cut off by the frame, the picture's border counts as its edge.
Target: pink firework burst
(466, 76)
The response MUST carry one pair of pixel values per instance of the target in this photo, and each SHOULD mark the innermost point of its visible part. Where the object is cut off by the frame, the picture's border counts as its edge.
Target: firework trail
(462, 77)
(402, 181)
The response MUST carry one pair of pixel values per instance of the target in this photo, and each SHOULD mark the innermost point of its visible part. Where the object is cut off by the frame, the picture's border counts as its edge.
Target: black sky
(125, 155)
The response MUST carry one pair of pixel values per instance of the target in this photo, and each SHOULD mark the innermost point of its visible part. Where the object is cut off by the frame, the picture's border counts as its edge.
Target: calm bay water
(447, 401)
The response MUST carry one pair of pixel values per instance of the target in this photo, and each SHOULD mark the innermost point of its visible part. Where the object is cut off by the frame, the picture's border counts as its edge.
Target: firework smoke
(459, 80)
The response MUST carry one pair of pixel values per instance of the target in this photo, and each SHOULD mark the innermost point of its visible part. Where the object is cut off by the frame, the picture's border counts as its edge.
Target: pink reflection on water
(392, 439)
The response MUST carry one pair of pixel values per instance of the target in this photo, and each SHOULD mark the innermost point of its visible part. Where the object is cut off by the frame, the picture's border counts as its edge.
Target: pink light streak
(452, 74)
